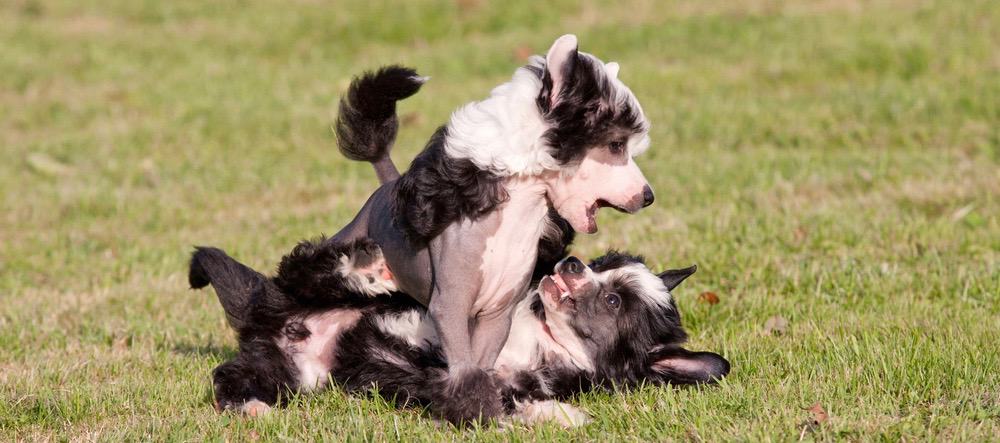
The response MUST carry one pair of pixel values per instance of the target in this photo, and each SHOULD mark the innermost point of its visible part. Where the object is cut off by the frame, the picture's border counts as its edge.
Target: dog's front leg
(469, 392)
(489, 336)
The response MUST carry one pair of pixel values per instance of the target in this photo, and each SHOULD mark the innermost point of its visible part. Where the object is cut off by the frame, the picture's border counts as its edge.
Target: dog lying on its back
(331, 313)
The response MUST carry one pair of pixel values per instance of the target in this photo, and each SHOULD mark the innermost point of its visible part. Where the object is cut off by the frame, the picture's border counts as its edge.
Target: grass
(834, 163)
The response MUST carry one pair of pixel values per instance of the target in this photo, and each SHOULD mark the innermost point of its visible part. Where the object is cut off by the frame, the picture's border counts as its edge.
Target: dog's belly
(511, 251)
(313, 356)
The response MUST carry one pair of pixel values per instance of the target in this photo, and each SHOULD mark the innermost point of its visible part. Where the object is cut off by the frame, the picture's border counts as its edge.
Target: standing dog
(330, 314)
(461, 228)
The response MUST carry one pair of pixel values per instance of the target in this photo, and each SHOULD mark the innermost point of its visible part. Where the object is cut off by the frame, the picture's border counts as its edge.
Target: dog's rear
(234, 282)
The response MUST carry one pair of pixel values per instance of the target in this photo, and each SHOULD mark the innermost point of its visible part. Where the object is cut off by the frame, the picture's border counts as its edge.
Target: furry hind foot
(365, 270)
(320, 269)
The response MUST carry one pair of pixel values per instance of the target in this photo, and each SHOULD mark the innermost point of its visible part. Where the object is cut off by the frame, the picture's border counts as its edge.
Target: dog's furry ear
(559, 65)
(676, 365)
(673, 277)
(612, 69)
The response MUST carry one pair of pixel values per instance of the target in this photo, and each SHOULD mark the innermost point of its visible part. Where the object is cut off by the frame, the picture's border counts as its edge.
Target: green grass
(835, 163)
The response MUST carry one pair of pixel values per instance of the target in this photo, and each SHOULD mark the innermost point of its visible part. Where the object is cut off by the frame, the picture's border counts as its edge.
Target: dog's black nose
(647, 196)
(572, 265)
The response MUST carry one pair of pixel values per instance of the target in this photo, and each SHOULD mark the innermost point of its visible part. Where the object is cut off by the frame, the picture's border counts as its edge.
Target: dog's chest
(510, 252)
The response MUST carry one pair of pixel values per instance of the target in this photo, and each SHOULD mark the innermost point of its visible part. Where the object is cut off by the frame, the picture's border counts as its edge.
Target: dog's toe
(255, 408)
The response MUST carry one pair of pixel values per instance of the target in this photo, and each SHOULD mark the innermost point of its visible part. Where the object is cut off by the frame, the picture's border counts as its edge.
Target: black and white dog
(462, 228)
(332, 314)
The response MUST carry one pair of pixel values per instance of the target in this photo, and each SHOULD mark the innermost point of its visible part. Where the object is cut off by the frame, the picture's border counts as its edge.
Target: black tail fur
(233, 282)
(367, 124)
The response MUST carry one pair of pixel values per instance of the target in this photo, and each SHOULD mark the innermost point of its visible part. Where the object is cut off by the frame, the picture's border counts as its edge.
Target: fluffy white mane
(503, 133)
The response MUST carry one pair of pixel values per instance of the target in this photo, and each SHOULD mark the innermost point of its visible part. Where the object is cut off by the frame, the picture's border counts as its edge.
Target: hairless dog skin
(461, 229)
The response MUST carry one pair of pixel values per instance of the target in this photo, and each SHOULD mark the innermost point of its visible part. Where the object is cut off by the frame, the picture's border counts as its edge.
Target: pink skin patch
(602, 179)
(386, 273)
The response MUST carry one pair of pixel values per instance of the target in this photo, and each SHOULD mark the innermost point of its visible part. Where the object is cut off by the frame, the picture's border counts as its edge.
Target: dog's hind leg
(234, 283)
(329, 270)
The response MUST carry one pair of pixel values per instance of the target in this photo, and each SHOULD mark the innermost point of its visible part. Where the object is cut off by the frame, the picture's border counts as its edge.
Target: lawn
(832, 166)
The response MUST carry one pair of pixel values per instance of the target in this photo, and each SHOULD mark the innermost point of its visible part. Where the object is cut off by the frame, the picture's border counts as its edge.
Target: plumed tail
(234, 283)
(367, 124)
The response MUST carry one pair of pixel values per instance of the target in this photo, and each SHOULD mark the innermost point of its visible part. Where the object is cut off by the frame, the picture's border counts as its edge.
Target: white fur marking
(563, 414)
(650, 288)
(367, 280)
(503, 133)
(411, 326)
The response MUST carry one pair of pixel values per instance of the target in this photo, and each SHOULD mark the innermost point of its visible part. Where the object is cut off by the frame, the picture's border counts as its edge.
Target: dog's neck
(531, 344)
(503, 133)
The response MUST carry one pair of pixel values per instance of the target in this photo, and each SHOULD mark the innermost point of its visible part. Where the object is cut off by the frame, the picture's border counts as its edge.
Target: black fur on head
(584, 106)
(641, 338)
(438, 190)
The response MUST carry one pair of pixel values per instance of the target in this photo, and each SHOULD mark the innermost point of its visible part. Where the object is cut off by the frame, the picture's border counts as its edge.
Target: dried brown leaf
(708, 297)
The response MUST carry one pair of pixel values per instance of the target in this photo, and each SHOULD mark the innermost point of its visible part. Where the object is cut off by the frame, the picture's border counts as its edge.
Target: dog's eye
(617, 147)
(613, 300)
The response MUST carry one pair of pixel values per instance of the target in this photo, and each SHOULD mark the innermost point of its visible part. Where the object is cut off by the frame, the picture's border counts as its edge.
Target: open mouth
(556, 289)
(601, 203)
(592, 212)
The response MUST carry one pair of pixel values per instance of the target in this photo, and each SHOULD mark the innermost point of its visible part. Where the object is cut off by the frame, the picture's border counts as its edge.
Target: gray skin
(458, 249)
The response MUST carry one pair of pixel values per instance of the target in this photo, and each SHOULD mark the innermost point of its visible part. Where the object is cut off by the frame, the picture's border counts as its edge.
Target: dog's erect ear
(612, 69)
(679, 366)
(560, 63)
(673, 277)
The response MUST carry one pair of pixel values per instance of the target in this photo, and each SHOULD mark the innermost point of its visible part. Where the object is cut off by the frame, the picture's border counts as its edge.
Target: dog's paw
(364, 269)
(550, 411)
(468, 397)
(255, 408)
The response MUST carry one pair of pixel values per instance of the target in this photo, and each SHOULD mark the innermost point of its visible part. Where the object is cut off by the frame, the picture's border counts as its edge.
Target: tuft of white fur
(366, 280)
(534, 412)
(503, 133)
(412, 326)
(651, 288)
